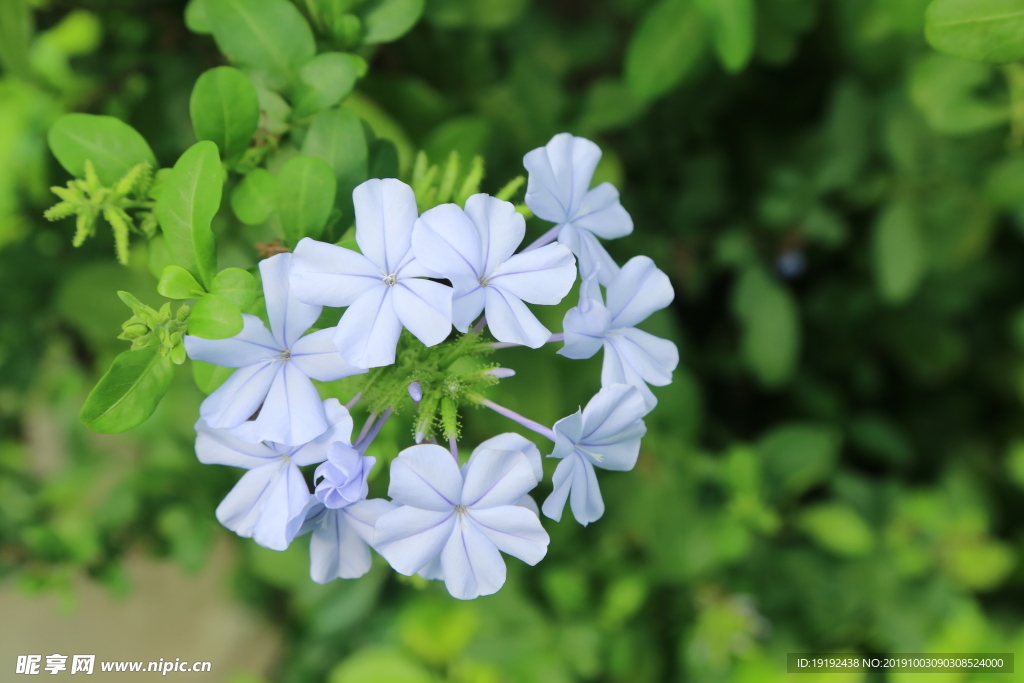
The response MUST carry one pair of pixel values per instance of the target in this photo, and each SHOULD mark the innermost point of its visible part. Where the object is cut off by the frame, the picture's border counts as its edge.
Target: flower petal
(585, 497)
(568, 431)
(509, 320)
(540, 276)
(601, 213)
(339, 430)
(514, 530)
(584, 330)
(560, 173)
(425, 309)
(362, 516)
(510, 441)
(500, 227)
(329, 275)
(426, 477)
(638, 290)
(316, 356)
(561, 484)
(445, 240)
(219, 447)
(368, 332)
(496, 478)
(336, 551)
(254, 344)
(613, 427)
(292, 413)
(471, 563)
(593, 258)
(616, 369)
(263, 502)
(234, 402)
(385, 214)
(289, 318)
(409, 538)
(653, 358)
(467, 307)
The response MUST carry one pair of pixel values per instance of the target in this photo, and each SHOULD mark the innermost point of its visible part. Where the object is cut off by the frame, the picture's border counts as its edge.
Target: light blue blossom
(474, 249)
(631, 356)
(274, 368)
(464, 519)
(557, 191)
(605, 434)
(382, 286)
(339, 517)
(273, 491)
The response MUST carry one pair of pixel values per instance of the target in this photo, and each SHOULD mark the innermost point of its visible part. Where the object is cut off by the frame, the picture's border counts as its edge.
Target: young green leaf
(733, 23)
(215, 317)
(388, 20)
(252, 199)
(129, 392)
(325, 80)
(236, 285)
(270, 36)
(225, 109)
(899, 252)
(196, 18)
(177, 283)
(305, 197)
(188, 202)
(979, 30)
(336, 136)
(110, 144)
(664, 48)
(836, 527)
(771, 327)
(209, 376)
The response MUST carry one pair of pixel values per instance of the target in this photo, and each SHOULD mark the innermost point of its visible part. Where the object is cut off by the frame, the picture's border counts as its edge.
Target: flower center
(391, 280)
(484, 281)
(461, 510)
(285, 355)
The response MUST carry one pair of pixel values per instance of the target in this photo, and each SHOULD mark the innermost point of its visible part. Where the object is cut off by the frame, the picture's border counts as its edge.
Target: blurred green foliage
(839, 463)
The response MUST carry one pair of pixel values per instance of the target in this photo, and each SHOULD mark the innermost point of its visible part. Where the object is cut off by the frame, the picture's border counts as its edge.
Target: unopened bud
(416, 392)
(419, 437)
(135, 330)
(500, 373)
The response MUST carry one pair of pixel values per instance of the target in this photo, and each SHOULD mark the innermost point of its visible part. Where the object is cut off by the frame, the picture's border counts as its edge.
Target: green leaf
(215, 317)
(15, 36)
(196, 18)
(336, 136)
(325, 80)
(388, 20)
(188, 202)
(305, 197)
(235, 284)
(270, 36)
(129, 392)
(899, 252)
(838, 529)
(225, 109)
(945, 90)
(796, 457)
(664, 48)
(110, 144)
(177, 283)
(733, 23)
(252, 199)
(771, 327)
(980, 30)
(379, 665)
(209, 376)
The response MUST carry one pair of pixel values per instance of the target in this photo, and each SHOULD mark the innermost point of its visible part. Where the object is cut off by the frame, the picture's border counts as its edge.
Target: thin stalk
(364, 442)
(366, 427)
(516, 417)
(453, 446)
(556, 337)
(546, 238)
(355, 400)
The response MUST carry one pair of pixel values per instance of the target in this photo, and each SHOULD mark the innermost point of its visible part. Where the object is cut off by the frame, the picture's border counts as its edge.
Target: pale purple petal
(613, 427)
(433, 571)
(363, 515)
(471, 563)
(234, 402)
(263, 502)
(514, 530)
(219, 447)
(292, 413)
(329, 275)
(289, 317)
(426, 477)
(424, 308)
(652, 358)
(254, 344)
(409, 538)
(368, 332)
(339, 430)
(568, 431)
(510, 441)
(467, 308)
(529, 503)
(316, 356)
(593, 258)
(585, 498)
(560, 173)
(541, 276)
(561, 483)
(496, 478)
(336, 551)
(501, 229)
(509, 320)
(638, 290)
(385, 214)
(445, 240)
(616, 369)
(601, 213)
(584, 330)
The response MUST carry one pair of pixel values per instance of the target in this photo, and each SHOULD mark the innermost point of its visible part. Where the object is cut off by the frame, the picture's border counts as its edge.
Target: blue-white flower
(339, 517)
(605, 434)
(465, 519)
(273, 491)
(274, 368)
(382, 286)
(557, 191)
(631, 356)
(474, 249)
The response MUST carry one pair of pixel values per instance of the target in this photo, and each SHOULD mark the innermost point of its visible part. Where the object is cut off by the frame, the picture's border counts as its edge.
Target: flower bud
(416, 392)
(341, 480)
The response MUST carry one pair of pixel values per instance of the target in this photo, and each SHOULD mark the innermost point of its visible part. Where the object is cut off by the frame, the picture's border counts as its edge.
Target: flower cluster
(453, 266)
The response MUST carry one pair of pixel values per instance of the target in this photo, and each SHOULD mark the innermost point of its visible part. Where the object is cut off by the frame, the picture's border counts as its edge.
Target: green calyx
(88, 199)
(149, 327)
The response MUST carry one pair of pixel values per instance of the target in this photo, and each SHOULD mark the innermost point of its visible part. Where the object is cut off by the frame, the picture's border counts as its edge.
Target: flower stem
(516, 417)
(364, 441)
(480, 324)
(366, 427)
(355, 400)
(453, 446)
(556, 337)
(546, 238)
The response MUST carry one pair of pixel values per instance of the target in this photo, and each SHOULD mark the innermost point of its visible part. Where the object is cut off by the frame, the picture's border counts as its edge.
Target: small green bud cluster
(149, 327)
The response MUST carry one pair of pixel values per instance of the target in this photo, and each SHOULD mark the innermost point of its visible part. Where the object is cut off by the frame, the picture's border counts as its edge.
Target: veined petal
(510, 441)
(234, 402)
(219, 447)
(638, 290)
(528, 503)
(425, 309)
(568, 431)
(426, 477)
(316, 356)
(329, 275)
(471, 563)
(584, 330)
(495, 478)
(601, 213)
(501, 229)
(541, 276)
(613, 427)
(367, 334)
(289, 317)
(432, 572)
(467, 308)
(593, 258)
(653, 358)
(254, 344)
(336, 551)
(263, 502)
(509, 320)
(339, 429)
(292, 413)
(561, 483)
(616, 369)
(514, 530)
(560, 173)
(385, 214)
(409, 538)
(445, 240)
(362, 515)
(585, 497)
